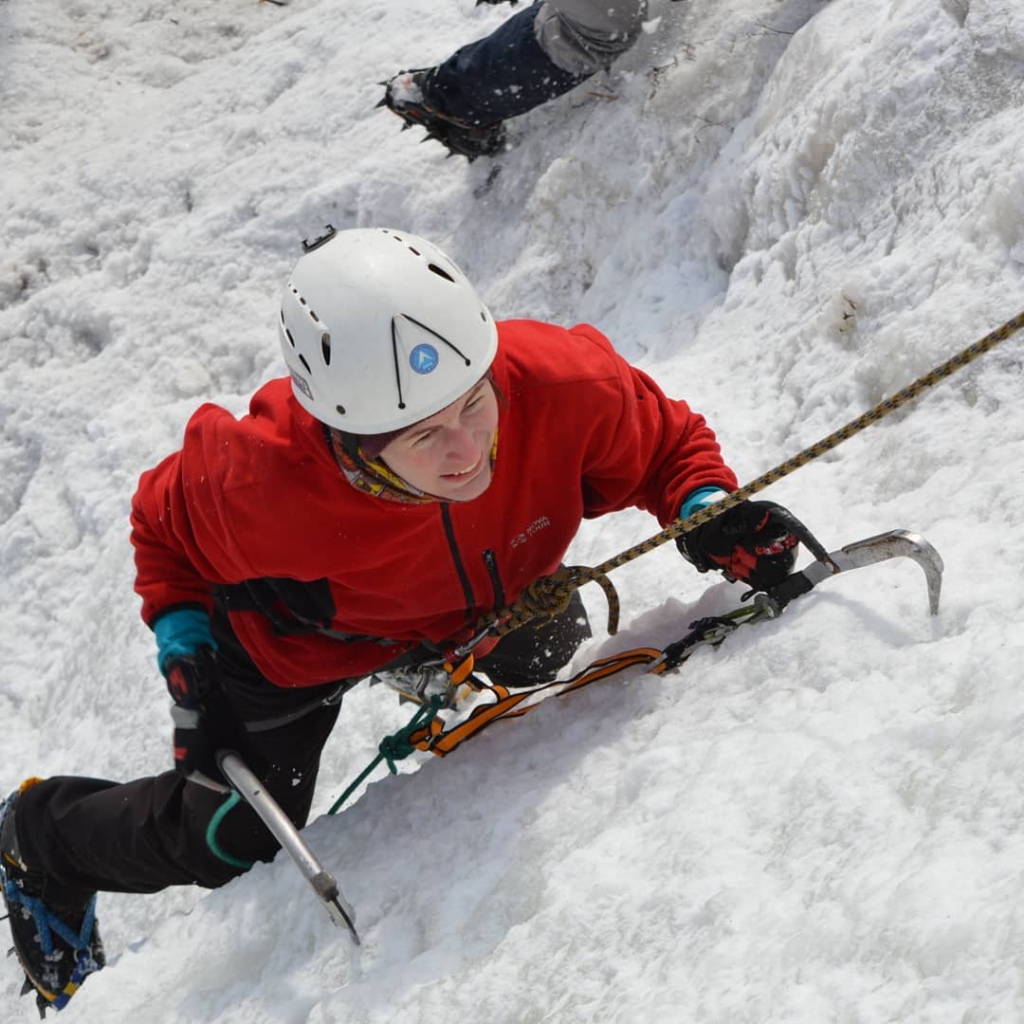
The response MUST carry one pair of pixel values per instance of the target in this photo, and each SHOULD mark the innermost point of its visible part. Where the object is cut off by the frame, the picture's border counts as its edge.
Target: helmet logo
(302, 385)
(424, 358)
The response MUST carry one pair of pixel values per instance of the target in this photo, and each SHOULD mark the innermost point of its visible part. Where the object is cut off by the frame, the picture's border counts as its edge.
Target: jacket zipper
(492, 569)
(467, 589)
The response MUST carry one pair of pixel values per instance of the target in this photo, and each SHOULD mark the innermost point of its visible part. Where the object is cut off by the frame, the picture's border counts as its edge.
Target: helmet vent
(287, 333)
(340, 409)
(302, 359)
(435, 269)
(325, 347)
(415, 252)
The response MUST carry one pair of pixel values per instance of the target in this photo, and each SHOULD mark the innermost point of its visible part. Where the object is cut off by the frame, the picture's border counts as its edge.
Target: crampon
(404, 96)
(54, 930)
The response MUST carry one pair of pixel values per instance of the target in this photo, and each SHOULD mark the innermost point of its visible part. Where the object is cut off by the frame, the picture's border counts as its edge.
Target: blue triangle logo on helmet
(424, 358)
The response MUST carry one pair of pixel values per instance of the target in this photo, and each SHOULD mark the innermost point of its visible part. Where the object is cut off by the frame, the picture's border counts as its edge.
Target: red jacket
(261, 502)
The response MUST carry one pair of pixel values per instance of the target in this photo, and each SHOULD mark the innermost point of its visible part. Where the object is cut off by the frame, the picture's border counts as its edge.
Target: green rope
(396, 747)
(211, 834)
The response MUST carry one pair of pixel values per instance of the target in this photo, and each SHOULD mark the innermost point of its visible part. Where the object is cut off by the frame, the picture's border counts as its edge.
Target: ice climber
(419, 468)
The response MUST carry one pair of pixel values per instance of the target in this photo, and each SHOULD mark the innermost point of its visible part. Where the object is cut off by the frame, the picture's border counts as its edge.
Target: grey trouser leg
(584, 36)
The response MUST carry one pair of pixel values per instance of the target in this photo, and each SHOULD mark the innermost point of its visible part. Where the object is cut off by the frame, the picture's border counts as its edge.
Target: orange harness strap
(438, 740)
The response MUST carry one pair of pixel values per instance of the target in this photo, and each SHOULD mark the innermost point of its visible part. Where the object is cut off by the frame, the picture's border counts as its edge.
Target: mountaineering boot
(54, 928)
(464, 100)
(403, 95)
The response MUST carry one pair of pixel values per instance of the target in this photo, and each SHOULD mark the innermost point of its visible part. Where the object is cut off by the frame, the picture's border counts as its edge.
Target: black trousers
(88, 835)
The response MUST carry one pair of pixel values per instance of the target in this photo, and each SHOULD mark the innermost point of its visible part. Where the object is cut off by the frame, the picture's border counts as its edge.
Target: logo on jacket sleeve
(424, 358)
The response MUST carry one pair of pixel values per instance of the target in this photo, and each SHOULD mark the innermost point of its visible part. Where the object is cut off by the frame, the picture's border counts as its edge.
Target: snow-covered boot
(405, 95)
(54, 928)
(464, 100)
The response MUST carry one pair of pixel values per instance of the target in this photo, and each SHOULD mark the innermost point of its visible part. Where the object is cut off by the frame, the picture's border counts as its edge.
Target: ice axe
(880, 548)
(254, 793)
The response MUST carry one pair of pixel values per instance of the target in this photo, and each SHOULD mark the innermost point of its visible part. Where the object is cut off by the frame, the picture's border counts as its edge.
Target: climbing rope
(397, 746)
(550, 595)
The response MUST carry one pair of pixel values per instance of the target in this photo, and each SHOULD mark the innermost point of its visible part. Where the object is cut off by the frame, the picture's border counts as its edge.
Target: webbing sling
(441, 741)
(437, 739)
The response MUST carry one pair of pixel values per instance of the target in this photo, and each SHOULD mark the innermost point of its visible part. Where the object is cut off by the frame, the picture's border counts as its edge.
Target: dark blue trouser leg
(500, 76)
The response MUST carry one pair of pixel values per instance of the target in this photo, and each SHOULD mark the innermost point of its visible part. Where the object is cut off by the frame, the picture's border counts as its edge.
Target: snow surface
(785, 210)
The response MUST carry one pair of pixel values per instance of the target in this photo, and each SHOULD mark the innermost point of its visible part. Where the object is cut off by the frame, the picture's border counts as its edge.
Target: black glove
(751, 541)
(204, 721)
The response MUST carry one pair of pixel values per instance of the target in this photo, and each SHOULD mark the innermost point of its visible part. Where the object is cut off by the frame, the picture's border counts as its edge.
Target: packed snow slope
(784, 210)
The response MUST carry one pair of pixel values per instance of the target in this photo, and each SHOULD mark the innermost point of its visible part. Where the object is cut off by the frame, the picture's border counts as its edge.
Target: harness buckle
(422, 683)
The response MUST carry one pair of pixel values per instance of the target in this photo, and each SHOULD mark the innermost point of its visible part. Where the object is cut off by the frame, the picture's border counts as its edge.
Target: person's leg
(536, 653)
(536, 55)
(95, 835)
(65, 838)
(500, 76)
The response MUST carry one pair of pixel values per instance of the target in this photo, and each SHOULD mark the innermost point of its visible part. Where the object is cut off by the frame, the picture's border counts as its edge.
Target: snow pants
(95, 835)
(541, 52)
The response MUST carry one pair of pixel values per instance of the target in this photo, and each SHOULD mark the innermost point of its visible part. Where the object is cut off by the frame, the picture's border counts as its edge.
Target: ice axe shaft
(253, 792)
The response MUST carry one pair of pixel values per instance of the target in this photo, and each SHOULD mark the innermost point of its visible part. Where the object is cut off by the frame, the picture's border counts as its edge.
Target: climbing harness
(550, 595)
(448, 676)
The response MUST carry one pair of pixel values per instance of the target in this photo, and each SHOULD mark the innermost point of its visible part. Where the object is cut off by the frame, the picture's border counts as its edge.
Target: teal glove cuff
(701, 498)
(180, 633)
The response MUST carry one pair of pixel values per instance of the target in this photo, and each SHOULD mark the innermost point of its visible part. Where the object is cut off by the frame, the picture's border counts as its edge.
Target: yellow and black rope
(550, 595)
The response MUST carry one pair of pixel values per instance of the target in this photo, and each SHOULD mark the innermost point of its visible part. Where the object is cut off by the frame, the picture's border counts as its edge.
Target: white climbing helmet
(380, 330)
